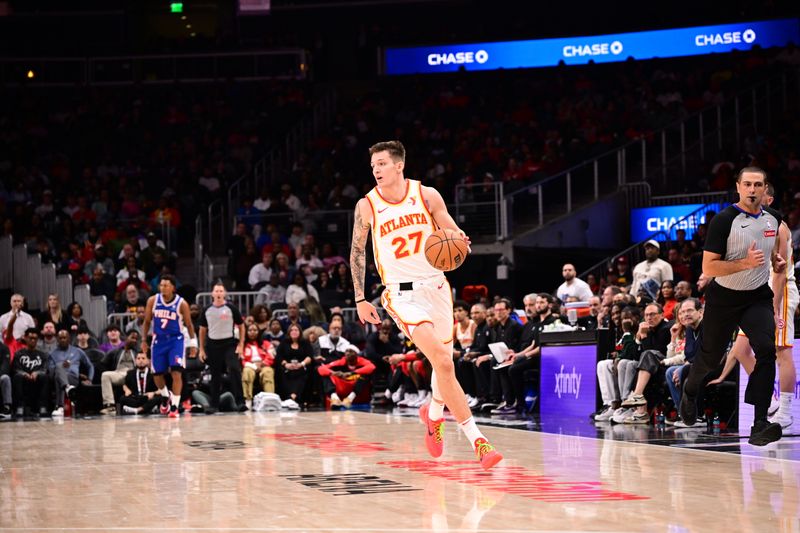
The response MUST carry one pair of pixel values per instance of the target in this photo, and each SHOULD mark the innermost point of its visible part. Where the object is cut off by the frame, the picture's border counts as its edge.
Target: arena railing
(635, 252)
(285, 64)
(479, 208)
(121, 320)
(95, 311)
(661, 158)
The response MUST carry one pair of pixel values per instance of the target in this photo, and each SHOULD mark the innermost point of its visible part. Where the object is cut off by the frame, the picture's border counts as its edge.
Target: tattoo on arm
(358, 257)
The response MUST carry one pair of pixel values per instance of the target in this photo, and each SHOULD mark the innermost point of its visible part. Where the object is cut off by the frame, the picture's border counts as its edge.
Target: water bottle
(661, 421)
(572, 316)
(716, 424)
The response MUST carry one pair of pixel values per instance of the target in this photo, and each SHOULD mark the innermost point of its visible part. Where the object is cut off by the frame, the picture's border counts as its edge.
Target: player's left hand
(779, 265)
(368, 313)
(239, 350)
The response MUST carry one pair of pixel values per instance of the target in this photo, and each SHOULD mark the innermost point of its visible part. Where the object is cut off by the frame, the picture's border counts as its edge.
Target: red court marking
(326, 442)
(515, 480)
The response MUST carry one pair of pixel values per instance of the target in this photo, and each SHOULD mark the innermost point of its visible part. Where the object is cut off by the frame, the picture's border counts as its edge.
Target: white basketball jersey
(790, 278)
(399, 232)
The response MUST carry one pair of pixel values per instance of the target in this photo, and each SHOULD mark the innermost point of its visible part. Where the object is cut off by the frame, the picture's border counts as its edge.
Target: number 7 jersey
(399, 232)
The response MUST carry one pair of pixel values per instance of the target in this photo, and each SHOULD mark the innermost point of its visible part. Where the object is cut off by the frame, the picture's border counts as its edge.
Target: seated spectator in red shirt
(346, 377)
(257, 359)
(666, 297)
(680, 270)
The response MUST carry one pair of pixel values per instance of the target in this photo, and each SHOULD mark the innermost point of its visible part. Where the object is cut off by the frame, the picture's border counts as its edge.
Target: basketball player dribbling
(168, 312)
(402, 214)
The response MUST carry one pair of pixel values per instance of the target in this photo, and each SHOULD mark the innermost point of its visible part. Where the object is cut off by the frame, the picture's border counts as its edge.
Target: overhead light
(31, 75)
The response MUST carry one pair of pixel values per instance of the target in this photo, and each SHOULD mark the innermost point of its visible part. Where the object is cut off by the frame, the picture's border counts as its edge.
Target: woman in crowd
(261, 317)
(666, 297)
(293, 359)
(74, 318)
(299, 290)
(257, 359)
(54, 313)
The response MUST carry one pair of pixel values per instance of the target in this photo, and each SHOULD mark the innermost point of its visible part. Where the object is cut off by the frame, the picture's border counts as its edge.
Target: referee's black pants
(221, 358)
(726, 309)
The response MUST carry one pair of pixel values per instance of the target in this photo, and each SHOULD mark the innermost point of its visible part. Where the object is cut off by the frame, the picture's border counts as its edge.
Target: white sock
(471, 431)
(351, 396)
(176, 400)
(436, 409)
(335, 397)
(388, 394)
(164, 392)
(786, 402)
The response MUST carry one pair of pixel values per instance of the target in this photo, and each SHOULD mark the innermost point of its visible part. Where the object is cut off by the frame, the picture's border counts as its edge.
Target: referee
(219, 348)
(738, 241)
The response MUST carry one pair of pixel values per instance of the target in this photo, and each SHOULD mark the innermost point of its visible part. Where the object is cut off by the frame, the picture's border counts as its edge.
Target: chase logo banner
(676, 42)
(646, 221)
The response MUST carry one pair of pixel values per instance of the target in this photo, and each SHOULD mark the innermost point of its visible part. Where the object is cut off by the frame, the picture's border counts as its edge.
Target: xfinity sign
(580, 50)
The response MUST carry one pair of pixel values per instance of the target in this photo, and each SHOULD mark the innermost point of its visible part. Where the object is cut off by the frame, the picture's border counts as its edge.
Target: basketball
(446, 250)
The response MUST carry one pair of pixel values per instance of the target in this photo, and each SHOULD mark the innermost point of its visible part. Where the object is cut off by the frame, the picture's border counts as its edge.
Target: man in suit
(141, 395)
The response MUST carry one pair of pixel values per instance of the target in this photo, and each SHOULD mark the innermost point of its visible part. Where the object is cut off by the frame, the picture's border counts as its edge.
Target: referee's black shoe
(763, 432)
(688, 409)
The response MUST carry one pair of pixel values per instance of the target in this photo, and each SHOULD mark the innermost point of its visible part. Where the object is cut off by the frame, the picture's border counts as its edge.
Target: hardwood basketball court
(369, 472)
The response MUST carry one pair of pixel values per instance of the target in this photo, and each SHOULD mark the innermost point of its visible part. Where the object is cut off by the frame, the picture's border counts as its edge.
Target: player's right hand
(367, 313)
(144, 346)
(202, 356)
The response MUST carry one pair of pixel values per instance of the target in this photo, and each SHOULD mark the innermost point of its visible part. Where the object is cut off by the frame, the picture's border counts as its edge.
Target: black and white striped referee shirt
(732, 232)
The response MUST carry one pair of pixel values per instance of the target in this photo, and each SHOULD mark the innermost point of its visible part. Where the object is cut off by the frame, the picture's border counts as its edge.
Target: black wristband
(361, 300)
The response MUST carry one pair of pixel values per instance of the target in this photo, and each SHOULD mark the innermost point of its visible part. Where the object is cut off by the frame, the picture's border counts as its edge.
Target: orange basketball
(446, 250)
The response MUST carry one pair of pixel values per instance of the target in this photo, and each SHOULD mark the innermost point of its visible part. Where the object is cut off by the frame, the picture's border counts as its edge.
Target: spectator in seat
(573, 286)
(293, 316)
(508, 331)
(478, 356)
(114, 336)
(261, 317)
(243, 263)
(131, 270)
(666, 298)
(5, 382)
(100, 259)
(68, 367)
(47, 341)
(683, 290)
(283, 269)
(275, 333)
(260, 274)
(258, 356)
(122, 360)
(463, 336)
(132, 301)
(22, 320)
(54, 312)
(308, 258)
(29, 377)
(84, 338)
(345, 378)
(330, 257)
(326, 288)
(537, 309)
(138, 324)
(382, 343)
(680, 269)
(102, 284)
(652, 267)
(591, 322)
(332, 345)
(140, 394)
(652, 338)
(272, 293)
(74, 319)
(622, 272)
(293, 359)
(343, 282)
(299, 290)
(616, 373)
(675, 356)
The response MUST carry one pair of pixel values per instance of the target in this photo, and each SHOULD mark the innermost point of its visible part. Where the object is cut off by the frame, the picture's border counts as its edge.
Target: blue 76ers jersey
(166, 317)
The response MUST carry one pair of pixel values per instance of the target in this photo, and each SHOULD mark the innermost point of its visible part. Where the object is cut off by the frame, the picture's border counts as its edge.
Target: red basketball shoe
(486, 453)
(434, 438)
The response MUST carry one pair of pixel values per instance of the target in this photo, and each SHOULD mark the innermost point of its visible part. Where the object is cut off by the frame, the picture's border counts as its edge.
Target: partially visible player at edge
(402, 214)
(170, 312)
